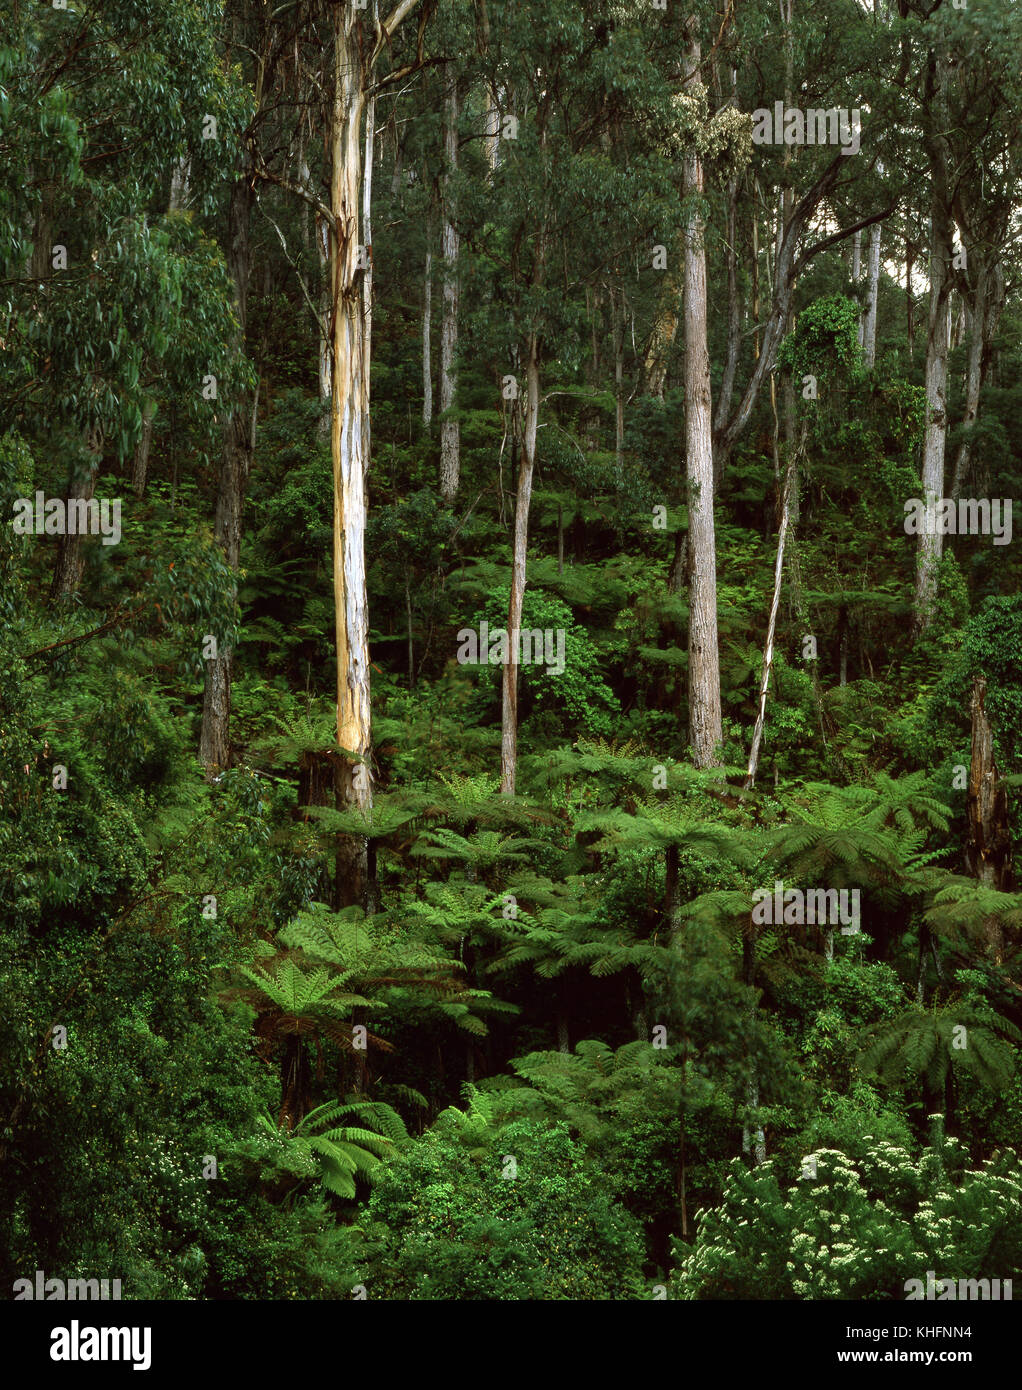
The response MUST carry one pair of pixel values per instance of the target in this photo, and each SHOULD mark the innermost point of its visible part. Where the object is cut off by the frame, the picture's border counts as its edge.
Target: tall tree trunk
(909, 324)
(427, 351)
(931, 543)
(705, 730)
(768, 648)
(70, 563)
(665, 330)
(869, 318)
(734, 312)
(235, 464)
(349, 436)
(179, 185)
(988, 850)
(140, 461)
(941, 248)
(326, 374)
(619, 380)
(982, 315)
(450, 430)
(509, 709)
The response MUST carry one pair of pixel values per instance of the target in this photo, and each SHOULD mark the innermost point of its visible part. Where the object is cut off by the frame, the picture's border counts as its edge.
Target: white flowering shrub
(859, 1229)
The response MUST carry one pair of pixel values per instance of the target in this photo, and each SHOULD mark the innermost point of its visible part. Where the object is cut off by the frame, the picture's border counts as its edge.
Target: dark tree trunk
(235, 464)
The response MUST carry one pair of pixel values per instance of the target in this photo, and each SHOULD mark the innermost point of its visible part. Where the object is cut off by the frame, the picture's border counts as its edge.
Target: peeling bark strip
(349, 407)
(988, 849)
(355, 54)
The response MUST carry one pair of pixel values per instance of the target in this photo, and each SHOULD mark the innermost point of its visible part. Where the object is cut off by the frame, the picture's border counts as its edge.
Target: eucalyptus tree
(587, 130)
(960, 67)
(99, 107)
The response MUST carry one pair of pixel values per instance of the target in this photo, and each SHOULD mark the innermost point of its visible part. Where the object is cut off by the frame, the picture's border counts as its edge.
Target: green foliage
(857, 1228)
(449, 1221)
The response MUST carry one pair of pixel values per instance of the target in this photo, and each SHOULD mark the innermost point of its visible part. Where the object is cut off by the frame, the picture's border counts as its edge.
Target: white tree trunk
(930, 546)
(705, 731)
(937, 336)
(509, 710)
(869, 318)
(768, 648)
(349, 426)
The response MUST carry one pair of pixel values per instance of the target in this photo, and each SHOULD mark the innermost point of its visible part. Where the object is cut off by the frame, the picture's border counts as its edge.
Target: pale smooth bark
(179, 185)
(348, 440)
(140, 460)
(325, 347)
(705, 730)
(768, 648)
(930, 546)
(526, 467)
(869, 318)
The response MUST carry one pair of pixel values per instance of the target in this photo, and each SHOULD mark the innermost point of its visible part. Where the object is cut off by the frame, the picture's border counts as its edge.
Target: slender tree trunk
(427, 354)
(705, 730)
(618, 313)
(869, 318)
(450, 430)
(509, 711)
(70, 563)
(179, 185)
(734, 313)
(768, 649)
(931, 542)
(235, 462)
(909, 324)
(325, 346)
(935, 138)
(982, 316)
(988, 850)
(665, 330)
(140, 461)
